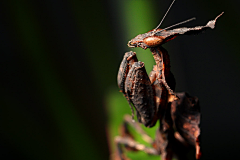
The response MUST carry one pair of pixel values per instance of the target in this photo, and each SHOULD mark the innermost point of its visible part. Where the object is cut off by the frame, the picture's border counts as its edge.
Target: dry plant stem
(138, 128)
(119, 154)
(128, 142)
(134, 145)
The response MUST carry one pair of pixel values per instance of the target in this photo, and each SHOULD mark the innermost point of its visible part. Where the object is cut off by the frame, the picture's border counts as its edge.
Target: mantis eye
(153, 41)
(131, 44)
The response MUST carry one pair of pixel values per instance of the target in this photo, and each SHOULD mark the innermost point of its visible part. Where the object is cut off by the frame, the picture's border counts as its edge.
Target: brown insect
(154, 99)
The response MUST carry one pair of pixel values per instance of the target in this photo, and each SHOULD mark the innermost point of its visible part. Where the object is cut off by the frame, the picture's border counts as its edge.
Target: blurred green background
(59, 62)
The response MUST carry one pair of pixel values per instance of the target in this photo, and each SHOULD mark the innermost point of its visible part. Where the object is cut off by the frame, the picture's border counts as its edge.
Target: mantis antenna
(191, 19)
(164, 15)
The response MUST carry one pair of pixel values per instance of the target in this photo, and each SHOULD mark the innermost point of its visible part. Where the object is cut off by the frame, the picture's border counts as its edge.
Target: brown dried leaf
(186, 118)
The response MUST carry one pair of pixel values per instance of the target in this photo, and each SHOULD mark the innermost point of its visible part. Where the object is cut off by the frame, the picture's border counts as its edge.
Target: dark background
(59, 61)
